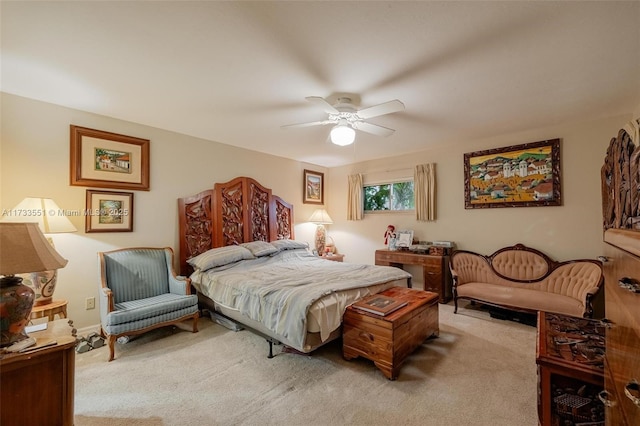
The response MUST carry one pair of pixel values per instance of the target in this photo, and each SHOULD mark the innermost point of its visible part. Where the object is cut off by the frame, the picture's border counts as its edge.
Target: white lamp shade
(24, 248)
(320, 216)
(45, 212)
(343, 135)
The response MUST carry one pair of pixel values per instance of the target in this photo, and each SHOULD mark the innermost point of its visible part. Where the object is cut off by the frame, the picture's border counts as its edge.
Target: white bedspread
(278, 290)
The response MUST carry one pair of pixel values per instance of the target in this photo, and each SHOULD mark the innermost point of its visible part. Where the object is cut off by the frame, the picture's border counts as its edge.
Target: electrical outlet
(90, 303)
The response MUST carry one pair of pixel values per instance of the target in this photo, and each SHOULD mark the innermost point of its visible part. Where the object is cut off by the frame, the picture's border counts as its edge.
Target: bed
(237, 245)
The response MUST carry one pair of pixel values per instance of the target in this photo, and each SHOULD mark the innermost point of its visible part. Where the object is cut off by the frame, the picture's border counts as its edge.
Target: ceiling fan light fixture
(343, 134)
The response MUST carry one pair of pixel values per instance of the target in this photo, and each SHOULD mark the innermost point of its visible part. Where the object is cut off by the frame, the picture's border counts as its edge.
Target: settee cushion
(522, 298)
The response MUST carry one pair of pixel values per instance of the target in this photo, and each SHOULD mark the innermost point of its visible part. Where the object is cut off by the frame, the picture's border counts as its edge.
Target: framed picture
(404, 239)
(526, 175)
(313, 187)
(109, 211)
(108, 160)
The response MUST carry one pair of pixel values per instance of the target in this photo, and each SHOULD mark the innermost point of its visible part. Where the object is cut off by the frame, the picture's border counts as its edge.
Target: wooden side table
(389, 340)
(50, 310)
(38, 385)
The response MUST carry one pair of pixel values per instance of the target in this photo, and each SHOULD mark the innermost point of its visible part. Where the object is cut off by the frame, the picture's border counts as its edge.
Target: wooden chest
(389, 340)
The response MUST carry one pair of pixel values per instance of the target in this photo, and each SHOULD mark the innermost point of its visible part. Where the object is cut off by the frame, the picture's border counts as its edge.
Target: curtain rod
(388, 170)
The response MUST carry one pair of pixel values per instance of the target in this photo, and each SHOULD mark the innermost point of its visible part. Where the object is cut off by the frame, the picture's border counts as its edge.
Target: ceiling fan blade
(373, 128)
(313, 123)
(323, 103)
(381, 109)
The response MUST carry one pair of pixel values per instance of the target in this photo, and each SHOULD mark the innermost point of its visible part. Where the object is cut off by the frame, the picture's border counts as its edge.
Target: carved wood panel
(620, 177)
(232, 214)
(195, 226)
(258, 213)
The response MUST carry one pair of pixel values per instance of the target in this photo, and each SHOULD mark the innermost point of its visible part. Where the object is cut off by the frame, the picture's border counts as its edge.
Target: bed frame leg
(270, 348)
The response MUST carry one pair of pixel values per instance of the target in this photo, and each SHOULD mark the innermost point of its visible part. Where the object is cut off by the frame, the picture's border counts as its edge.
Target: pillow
(219, 256)
(260, 248)
(289, 244)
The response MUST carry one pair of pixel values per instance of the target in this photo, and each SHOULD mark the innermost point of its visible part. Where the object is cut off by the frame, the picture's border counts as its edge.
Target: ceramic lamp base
(321, 239)
(43, 284)
(16, 303)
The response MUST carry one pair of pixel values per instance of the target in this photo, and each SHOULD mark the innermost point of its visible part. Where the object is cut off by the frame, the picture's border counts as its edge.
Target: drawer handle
(366, 335)
(633, 386)
(630, 284)
(606, 323)
(605, 397)
(603, 259)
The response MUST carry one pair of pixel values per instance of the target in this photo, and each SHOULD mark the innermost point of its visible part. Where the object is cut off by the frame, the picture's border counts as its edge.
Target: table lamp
(23, 248)
(51, 220)
(320, 217)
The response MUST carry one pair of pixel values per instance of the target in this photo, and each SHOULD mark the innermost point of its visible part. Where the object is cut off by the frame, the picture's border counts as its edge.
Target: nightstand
(335, 257)
(50, 310)
(42, 378)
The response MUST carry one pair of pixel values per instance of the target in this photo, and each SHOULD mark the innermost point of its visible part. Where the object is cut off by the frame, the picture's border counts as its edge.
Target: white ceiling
(234, 72)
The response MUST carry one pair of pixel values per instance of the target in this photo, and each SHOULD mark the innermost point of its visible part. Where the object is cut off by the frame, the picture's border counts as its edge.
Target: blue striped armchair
(140, 291)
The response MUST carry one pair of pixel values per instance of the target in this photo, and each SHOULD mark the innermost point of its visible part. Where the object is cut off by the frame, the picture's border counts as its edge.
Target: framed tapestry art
(313, 187)
(526, 175)
(108, 160)
(109, 211)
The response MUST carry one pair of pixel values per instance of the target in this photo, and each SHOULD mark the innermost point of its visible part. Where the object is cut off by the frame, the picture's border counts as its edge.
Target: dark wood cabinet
(435, 269)
(38, 386)
(570, 356)
(620, 180)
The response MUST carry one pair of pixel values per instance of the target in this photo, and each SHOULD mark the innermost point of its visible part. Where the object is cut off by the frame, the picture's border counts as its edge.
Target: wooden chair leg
(195, 322)
(112, 344)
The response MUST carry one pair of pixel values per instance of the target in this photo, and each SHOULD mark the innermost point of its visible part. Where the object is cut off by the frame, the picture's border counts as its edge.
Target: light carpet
(480, 371)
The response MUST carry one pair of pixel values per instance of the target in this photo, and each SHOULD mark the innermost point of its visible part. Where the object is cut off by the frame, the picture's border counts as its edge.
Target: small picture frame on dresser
(404, 239)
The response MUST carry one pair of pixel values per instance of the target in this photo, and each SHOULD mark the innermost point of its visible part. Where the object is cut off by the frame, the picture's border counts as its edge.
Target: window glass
(393, 196)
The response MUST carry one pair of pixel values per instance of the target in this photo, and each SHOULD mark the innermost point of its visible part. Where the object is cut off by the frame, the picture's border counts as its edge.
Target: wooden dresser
(435, 269)
(38, 386)
(621, 261)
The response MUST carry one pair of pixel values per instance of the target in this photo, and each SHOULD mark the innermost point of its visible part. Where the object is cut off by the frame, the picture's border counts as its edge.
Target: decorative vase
(16, 302)
(43, 284)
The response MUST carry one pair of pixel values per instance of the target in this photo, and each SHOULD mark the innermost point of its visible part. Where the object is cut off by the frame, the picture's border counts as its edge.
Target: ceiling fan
(347, 118)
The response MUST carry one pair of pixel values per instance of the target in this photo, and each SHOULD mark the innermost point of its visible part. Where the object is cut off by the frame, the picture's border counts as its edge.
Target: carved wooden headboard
(233, 212)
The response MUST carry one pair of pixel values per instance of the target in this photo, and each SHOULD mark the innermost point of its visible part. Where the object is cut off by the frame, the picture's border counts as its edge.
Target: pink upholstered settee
(524, 279)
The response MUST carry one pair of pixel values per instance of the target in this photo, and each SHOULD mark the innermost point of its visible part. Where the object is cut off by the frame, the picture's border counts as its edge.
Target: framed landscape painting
(108, 211)
(108, 160)
(313, 187)
(526, 175)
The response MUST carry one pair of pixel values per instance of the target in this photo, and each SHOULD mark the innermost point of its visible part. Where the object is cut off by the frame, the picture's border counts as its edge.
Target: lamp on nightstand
(320, 217)
(51, 220)
(23, 248)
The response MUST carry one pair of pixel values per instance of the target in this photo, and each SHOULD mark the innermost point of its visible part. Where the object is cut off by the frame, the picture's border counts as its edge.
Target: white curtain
(355, 207)
(424, 188)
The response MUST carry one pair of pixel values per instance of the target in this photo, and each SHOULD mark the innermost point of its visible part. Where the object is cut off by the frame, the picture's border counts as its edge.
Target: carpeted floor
(480, 371)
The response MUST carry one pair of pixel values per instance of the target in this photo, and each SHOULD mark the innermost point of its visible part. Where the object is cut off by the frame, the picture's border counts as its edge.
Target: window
(393, 196)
